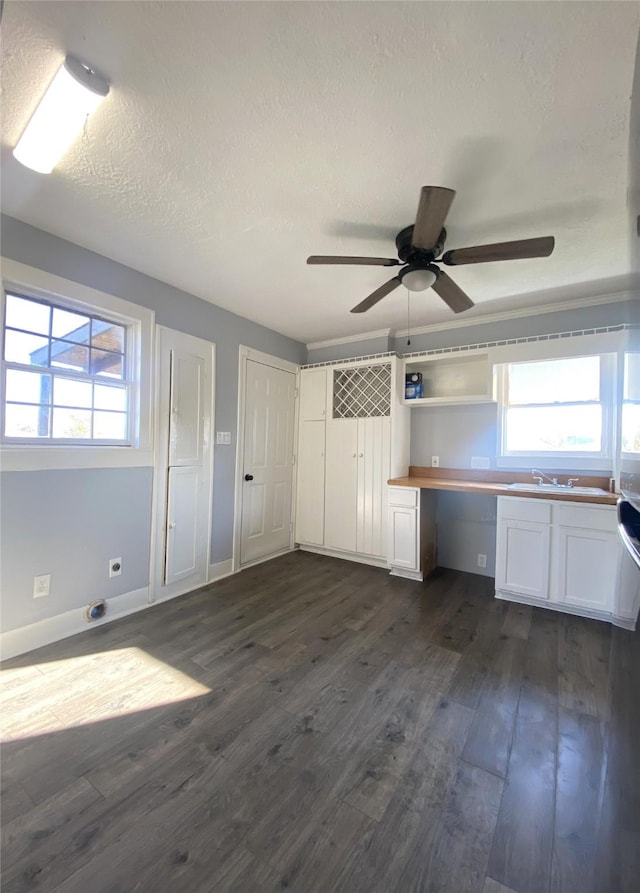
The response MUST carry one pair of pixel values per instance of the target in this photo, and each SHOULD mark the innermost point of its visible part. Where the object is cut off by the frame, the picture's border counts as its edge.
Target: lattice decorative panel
(362, 392)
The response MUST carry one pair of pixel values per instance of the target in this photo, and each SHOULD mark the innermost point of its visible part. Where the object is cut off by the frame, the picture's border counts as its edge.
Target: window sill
(43, 458)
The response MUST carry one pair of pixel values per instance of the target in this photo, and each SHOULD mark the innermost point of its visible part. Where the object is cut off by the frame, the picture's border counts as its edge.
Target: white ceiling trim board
(613, 298)
(349, 339)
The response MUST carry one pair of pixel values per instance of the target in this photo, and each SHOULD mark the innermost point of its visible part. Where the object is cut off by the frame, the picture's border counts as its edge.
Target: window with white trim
(558, 409)
(631, 404)
(67, 374)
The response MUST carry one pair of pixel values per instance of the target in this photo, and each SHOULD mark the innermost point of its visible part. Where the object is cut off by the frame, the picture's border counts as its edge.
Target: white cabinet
(411, 540)
(523, 547)
(356, 483)
(310, 489)
(353, 436)
(313, 395)
(565, 555)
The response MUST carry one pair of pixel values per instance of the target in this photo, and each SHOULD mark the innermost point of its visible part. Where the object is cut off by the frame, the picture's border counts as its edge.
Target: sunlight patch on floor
(80, 690)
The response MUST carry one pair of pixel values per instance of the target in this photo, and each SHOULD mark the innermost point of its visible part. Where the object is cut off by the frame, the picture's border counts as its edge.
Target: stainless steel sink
(555, 488)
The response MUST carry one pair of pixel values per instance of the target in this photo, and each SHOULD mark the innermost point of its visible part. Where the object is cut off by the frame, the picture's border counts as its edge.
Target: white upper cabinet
(460, 377)
(313, 394)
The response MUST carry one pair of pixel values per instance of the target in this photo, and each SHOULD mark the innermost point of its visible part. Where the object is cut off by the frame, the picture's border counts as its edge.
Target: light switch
(223, 436)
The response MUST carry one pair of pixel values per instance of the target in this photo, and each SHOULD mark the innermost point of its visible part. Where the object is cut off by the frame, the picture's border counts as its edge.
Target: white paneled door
(267, 472)
(184, 458)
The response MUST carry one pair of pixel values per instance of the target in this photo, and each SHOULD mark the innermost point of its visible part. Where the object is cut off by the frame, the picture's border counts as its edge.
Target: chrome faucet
(540, 475)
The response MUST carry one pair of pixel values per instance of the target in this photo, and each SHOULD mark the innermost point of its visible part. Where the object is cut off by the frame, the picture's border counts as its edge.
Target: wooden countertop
(496, 483)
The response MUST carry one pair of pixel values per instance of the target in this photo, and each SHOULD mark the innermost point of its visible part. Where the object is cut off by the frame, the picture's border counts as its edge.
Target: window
(558, 408)
(66, 374)
(631, 404)
(76, 374)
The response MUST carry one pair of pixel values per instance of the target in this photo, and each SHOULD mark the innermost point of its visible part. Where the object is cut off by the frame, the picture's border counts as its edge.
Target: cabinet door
(310, 484)
(374, 452)
(403, 538)
(313, 394)
(522, 557)
(585, 566)
(341, 484)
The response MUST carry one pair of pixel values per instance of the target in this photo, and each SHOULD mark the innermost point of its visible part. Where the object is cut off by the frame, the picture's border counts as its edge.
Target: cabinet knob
(355, 455)
(361, 455)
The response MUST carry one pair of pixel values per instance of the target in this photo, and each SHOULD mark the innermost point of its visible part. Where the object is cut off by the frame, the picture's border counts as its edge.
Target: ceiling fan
(418, 248)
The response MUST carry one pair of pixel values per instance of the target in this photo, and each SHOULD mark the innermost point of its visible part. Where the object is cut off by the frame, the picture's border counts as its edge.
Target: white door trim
(244, 354)
(161, 453)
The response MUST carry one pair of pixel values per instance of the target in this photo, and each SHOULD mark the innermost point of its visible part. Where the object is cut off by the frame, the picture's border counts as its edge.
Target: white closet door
(186, 434)
(341, 484)
(374, 466)
(183, 522)
(310, 492)
(268, 454)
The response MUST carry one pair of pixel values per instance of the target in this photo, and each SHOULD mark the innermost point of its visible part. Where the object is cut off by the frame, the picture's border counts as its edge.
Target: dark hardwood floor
(317, 725)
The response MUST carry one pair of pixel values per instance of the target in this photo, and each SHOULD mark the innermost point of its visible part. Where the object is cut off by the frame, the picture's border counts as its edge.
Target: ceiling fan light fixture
(419, 278)
(75, 92)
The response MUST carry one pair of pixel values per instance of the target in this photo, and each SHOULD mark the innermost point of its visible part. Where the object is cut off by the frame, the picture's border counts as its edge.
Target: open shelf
(452, 379)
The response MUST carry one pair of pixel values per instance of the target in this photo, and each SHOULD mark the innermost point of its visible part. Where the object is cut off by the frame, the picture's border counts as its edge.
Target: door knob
(248, 477)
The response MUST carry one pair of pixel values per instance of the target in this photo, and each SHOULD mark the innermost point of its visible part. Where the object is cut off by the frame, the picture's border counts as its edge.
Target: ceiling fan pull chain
(408, 318)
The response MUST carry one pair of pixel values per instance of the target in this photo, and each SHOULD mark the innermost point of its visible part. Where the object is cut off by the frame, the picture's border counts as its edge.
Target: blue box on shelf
(413, 385)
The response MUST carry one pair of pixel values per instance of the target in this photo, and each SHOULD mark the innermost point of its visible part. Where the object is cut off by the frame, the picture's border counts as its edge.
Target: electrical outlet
(115, 567)
(223, 436)
(482, 560)
(41, 585)
(435, 461)
(480, 462)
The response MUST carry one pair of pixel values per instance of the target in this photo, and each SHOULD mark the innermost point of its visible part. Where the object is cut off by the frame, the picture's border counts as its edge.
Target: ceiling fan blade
(481, 254)
(377, 295)
(433, 208)
(451, 293)
(364, 261)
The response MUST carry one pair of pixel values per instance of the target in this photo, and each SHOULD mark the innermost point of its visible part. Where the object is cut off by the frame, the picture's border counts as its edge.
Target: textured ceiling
(240, 137)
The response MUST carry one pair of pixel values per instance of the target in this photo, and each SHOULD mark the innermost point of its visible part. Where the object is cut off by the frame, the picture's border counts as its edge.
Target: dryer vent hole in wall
(115, 567)
(96, 610)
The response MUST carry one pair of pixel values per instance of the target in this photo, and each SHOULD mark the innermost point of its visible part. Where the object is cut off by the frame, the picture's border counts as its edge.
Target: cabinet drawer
(517, 509)
(404, 496)
(586, 516)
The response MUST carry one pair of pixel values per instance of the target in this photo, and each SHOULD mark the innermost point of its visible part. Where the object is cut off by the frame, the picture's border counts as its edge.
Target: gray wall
(24, 543)
(70, 524)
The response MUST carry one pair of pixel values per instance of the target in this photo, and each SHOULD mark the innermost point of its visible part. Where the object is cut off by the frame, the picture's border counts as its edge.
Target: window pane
(105, 397)
(555, 381)
(631, 427)
(632, 376)
(67, 392)
(110, 425)
(28, 387)
(69, 356)
(32, 350)
(110, 365)
(72, 423)
(26, 421)
(70, 326)
(28, 315)
(555, 428)
(107, 335)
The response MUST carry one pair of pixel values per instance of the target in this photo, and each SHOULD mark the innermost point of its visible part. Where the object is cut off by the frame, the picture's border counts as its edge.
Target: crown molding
(612, 298)
(349, 339)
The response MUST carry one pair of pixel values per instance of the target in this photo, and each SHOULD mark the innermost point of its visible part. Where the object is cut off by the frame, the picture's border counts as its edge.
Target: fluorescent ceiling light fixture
(73, 94)
(417, 278)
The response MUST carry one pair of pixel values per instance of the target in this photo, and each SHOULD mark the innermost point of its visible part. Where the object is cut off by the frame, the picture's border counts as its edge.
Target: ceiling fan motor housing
(409, 254)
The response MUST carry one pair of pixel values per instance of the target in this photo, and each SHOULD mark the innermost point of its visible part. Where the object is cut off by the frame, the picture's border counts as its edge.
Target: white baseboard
(52, 629)
(590, 613)
(418, 576)
(346, 556)
(219, 570)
